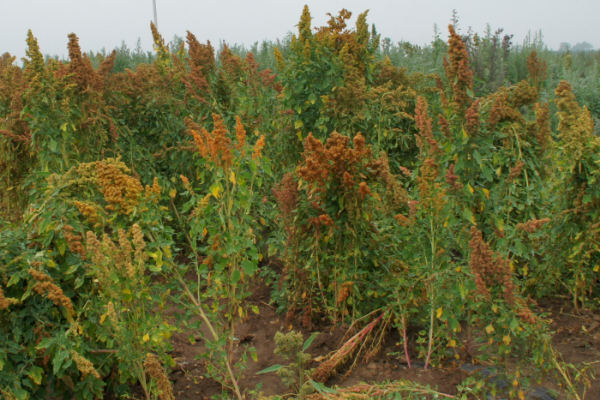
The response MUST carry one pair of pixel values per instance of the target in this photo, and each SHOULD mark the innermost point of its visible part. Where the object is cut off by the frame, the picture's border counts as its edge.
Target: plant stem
(212, 330)
(405, 343)
(431, 321)
(430, 284)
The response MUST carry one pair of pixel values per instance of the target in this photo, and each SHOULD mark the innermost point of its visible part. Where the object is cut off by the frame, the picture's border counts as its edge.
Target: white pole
(155, 19)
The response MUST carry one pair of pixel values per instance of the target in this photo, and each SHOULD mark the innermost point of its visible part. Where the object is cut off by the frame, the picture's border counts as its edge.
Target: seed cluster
(215, 145)
(120, 191)
(538, 69)
(74, 241)
(84, 366)
(345, 292)
(544, 130)
(490, 269)
(156, 371)
(5, 302)
(457, 70)
(515, 171)
(335, 162)
(45, 286)
(452, 179)
(532, 225)
(575, 124)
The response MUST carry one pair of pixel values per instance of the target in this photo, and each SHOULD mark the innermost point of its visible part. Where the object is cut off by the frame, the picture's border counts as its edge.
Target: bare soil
(577, 337)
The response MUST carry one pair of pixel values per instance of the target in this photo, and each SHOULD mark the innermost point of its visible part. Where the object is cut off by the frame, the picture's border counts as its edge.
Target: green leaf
(321, 388)
(20, 394)
(453, 324)
(127, 295)
(78, 282)
(62, 247)
(249, 267)
(58, 359)
(35, 374)
(468, 215)
(28, 291)
(487, 173)
(272, 368)
(236, 276)
(72, 269)
(13, 280)
(309, 341)
(477, 157)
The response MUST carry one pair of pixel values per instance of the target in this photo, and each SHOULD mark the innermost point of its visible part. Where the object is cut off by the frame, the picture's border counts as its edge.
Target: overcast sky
(105, 23)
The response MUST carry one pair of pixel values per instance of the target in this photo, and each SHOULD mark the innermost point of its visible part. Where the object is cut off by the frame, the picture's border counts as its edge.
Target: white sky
(105, 23)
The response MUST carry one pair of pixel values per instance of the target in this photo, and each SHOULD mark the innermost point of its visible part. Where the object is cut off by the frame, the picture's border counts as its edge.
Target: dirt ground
(577, 337)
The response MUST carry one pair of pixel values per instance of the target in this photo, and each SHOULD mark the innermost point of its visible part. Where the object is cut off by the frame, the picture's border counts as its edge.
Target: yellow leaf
(102, 318)
(215, 191)
(240, 311)
(521, 395)
(457, 269)
(506, 339)
(439, 312)
(596, 268)
(452, 343)
(262, 221)
(80, 329)
(486, 192)
(300, 135)
(146, 338)
(232, 178)
(499, 172)
(489, 329)
(495, 308)
(204, 233)
(172, 193)
(515, 383)
(470, 188)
